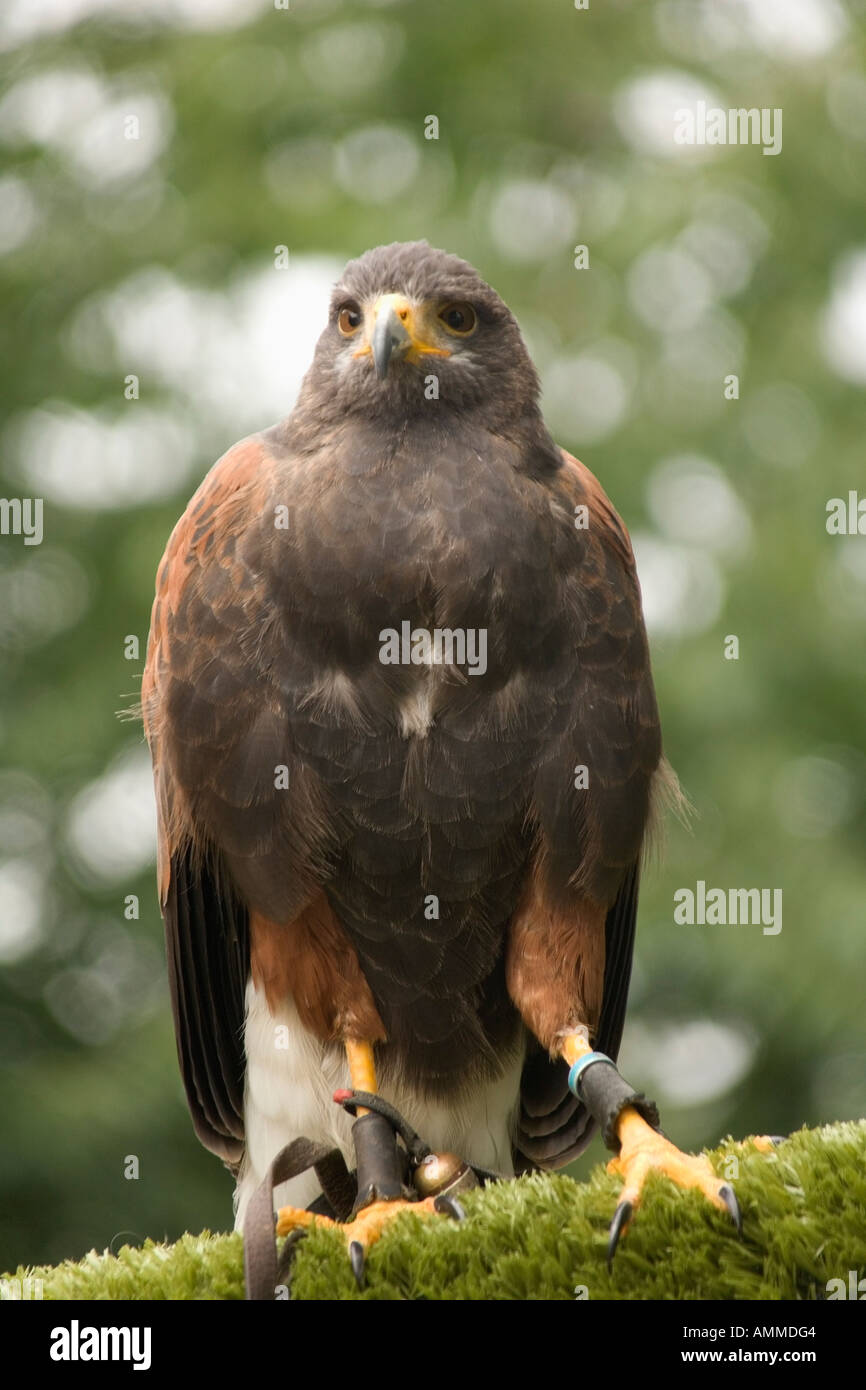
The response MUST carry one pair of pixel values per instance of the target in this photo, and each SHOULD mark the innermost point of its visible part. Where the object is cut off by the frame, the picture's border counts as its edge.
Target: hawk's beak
(391, 331)
(395, 331)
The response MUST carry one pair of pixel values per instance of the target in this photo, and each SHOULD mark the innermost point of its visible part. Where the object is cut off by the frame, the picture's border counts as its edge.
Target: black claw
(449, 1206)
(621, 1218)
(287, 1255)
(356, 1259)
(728, 1196)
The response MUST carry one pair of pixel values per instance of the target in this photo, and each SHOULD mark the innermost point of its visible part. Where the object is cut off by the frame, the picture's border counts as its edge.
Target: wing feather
(192, 700)
(608, 706)
(207, 946)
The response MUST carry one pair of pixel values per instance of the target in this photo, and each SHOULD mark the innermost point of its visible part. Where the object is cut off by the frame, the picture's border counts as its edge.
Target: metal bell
(438, 1174)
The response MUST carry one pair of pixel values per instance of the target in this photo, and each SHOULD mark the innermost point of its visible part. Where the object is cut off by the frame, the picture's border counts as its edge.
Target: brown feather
(311, 961)
(555, 962)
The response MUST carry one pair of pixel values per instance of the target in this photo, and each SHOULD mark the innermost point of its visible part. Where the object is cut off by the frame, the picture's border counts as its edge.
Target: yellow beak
(395, 333)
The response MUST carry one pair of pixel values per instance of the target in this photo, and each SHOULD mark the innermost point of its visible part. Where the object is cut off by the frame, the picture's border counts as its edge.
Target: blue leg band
(597, 1084)
(581, 1064)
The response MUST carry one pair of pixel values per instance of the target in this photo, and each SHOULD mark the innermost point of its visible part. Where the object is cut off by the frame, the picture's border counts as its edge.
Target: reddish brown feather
(312, 961)
(236, 482)
(555, 962)
(583, 486)
(226, 491)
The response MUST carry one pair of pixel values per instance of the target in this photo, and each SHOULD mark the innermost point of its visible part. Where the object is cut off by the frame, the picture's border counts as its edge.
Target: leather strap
(260, 1249)
(606, 1094)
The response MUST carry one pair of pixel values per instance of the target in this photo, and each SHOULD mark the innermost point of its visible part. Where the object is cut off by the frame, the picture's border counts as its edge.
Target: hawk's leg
(641, 1149)
(378, 1160)
(555, 970)
(381, 1193)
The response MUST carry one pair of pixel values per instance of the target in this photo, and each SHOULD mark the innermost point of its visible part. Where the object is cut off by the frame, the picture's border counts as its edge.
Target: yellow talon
(643, 1151)
(762, 1142)
(365, 1228)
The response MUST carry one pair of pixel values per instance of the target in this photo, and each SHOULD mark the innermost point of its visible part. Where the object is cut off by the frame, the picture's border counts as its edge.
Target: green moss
(804, 1218)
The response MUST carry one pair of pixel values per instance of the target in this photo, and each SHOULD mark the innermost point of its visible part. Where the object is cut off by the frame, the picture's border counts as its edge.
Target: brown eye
(459, 318)
(349, 320)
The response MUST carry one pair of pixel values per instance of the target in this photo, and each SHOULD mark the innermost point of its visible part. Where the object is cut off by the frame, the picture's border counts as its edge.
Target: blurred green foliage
(265, 140)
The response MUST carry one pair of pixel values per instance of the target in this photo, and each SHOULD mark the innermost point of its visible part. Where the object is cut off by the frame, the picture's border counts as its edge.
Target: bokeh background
(155, 257)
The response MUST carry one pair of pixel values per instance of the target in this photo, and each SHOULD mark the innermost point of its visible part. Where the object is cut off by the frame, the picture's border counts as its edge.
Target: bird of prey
(406, 749)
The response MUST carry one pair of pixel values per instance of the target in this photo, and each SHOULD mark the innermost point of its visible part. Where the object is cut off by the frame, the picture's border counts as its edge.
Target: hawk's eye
(349, 319)
(459, 318)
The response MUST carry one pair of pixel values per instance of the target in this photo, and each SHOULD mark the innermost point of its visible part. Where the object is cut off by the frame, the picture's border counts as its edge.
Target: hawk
(406, 749)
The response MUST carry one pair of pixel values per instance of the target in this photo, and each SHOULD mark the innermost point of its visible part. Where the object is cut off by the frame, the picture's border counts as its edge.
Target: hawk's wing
(198, 672)
(207, 947)
(610, 705)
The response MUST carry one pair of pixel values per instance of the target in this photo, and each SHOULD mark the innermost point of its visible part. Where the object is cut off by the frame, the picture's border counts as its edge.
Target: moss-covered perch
(804, 1214)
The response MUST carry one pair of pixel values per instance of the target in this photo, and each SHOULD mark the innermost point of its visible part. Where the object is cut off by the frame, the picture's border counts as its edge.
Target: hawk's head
(409, 324)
